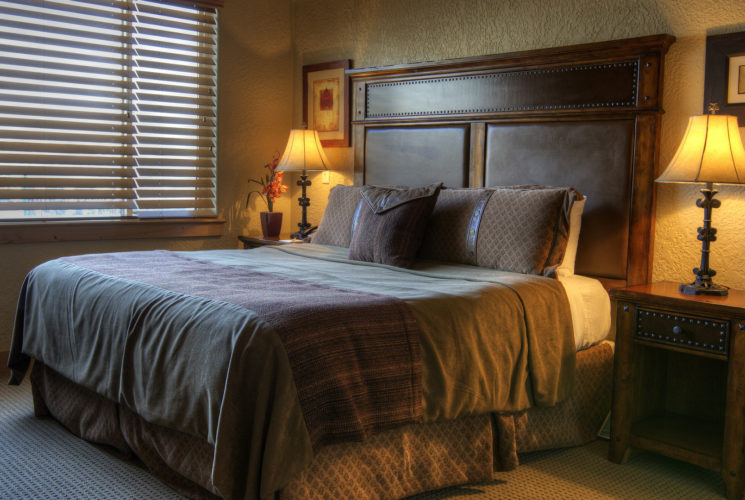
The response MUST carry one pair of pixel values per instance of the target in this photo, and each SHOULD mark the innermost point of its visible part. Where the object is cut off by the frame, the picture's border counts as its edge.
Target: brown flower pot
(271, 224)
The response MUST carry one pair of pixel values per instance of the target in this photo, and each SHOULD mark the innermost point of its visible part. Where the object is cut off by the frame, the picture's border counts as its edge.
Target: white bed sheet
(589, 304)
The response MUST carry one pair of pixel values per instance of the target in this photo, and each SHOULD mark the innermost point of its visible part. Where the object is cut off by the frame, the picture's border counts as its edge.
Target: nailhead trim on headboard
(380, 96)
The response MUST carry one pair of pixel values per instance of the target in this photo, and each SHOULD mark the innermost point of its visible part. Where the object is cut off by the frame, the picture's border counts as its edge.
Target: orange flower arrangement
(271, 184)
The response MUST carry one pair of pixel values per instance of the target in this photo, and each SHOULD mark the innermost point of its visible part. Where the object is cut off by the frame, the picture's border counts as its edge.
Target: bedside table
(260, 241)
(679, 381)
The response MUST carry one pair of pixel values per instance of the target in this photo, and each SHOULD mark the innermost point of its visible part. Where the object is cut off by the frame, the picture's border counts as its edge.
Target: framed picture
(326, 99)
(725, 74)
(736, 80)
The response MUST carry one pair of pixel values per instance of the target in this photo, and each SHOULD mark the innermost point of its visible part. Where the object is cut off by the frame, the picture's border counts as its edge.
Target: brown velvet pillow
(336, 225)
(390, 222)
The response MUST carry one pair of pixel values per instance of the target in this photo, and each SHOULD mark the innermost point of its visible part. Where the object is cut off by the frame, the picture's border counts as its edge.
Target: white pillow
(566, 268)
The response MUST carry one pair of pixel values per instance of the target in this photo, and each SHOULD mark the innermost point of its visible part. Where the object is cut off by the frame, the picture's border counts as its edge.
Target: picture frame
(326, 98)
(736, 79)
(724, 82)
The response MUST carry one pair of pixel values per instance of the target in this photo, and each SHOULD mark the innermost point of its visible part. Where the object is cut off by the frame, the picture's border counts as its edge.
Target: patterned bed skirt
(393, 464)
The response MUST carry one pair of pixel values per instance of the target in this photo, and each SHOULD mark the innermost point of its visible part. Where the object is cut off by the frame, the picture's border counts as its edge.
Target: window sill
(123, 229)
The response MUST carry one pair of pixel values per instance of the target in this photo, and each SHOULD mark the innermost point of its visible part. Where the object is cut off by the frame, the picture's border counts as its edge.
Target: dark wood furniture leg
(733, 467)
(622, 386)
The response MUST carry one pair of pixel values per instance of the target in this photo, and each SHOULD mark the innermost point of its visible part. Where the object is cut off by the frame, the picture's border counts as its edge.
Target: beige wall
(384, 32)
(255, 109)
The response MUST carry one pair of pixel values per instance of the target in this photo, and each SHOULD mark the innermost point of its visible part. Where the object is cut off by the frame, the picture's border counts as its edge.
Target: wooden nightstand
(679, 383)
(259, 241)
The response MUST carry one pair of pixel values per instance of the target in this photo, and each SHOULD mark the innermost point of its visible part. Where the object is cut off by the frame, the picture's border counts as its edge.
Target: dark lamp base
(706, 234)
(703, 289)
(301, 235)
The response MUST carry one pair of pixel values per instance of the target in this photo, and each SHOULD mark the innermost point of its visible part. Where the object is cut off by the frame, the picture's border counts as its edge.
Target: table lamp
(711, 153)
(303, 153)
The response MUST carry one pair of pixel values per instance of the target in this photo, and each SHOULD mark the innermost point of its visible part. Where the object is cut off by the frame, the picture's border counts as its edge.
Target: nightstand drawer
(690, 332)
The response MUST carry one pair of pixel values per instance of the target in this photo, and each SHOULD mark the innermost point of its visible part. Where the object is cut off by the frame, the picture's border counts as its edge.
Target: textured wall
(254, 109)
(384, 32)
(255, 104)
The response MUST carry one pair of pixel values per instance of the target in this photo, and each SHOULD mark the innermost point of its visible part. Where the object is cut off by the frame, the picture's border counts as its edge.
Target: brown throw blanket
(355, 356)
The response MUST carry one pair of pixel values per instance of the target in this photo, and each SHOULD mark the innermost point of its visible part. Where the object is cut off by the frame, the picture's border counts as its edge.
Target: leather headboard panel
(417, 156)
(594, 157)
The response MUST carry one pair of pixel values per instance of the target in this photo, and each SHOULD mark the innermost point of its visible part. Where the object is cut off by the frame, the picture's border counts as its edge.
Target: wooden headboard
(586, 116)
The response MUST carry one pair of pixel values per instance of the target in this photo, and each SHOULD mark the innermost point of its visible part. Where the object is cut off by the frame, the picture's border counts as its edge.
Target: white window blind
(107, 109)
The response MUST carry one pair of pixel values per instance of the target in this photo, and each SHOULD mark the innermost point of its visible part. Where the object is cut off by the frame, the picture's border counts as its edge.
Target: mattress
(589, 304)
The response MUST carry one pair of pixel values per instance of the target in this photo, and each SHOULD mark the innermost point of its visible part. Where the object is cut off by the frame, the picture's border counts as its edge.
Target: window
(107, 109)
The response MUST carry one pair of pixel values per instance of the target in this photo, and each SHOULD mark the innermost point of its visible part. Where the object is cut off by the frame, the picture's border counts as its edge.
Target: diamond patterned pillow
(336, 225)
(524, 229)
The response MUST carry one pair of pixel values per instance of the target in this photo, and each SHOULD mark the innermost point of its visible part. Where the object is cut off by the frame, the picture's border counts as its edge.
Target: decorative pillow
(451, 232)
(563, 228)
(566, 268)
(390, 223)
(524, 229)
(336, 225)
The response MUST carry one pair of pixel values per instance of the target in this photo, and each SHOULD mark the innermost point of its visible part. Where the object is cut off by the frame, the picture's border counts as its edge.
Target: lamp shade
(711, 151)
(303, 152)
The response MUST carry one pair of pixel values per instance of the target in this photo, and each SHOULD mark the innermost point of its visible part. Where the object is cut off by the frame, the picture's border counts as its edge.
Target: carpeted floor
(39, 459)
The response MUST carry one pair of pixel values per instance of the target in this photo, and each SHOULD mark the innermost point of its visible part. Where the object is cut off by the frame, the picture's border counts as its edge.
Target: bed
(332, 377)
